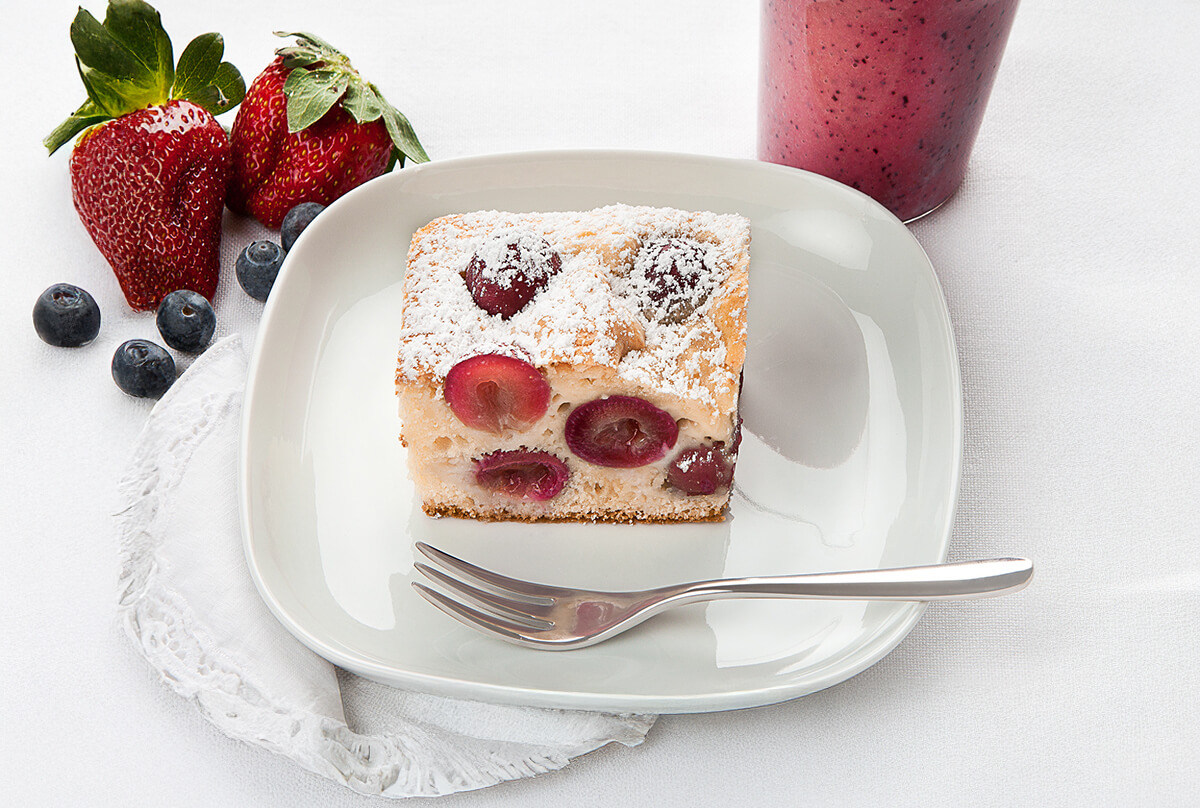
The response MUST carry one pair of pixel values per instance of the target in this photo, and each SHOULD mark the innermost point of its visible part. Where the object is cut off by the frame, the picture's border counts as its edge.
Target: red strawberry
(150, 172)
(160, 230)
(309, 130)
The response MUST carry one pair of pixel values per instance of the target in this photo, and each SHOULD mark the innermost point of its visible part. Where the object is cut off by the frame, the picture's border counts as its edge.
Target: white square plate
(850, 456)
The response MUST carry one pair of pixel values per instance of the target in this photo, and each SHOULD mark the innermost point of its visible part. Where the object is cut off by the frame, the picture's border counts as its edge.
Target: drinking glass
(885, 96)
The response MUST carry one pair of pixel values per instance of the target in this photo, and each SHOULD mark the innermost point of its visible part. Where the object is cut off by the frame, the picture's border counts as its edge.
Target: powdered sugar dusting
(670, 279)
(594, 310)
(516, 254)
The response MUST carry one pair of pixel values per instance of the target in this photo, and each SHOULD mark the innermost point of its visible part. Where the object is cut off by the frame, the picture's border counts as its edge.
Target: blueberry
(66, 316)
(186, 321)
(142, 368)
(295, 220)
(257, 266)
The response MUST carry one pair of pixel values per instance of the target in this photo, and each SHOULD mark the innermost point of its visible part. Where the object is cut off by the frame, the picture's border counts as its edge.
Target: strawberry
(150, 171)
(160, 231)
(309, 130)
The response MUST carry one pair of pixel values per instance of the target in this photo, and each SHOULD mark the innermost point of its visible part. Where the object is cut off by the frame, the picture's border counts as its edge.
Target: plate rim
(887, 639)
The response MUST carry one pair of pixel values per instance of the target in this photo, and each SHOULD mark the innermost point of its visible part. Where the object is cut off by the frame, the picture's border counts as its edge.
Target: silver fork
(556, 618)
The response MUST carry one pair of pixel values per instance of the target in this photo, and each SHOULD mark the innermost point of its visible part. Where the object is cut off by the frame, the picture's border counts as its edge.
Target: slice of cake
(574, 366)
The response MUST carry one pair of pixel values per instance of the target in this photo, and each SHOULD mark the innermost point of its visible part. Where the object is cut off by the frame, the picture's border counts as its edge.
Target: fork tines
(504, 604)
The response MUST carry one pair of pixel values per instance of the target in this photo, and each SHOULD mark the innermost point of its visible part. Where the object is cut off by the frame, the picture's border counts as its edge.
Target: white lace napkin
(189, 604)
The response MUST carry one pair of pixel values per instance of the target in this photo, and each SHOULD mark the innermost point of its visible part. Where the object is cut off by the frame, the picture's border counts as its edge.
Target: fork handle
(955, 581)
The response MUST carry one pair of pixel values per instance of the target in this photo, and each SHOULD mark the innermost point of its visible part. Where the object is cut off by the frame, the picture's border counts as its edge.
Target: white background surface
(1069, 261)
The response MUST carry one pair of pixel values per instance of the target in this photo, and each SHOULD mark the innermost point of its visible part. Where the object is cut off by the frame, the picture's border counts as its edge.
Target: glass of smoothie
(886, 97)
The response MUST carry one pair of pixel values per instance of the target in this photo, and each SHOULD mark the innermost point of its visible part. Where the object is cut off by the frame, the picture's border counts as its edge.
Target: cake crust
(715, 514)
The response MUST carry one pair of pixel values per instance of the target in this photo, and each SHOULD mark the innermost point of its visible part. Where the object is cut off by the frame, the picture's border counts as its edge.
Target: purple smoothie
(886, 97)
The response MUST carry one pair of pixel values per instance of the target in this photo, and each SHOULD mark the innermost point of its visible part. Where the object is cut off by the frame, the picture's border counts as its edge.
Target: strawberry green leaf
(295, 57)
(201, 76)
(362, 102)
(114, 96)
(309, 40)
(310, 50)
(395, 160)
(97, 48)
(231, 85)
(197, 65)
(138, 27)
(125, 63)
(312, 93)
(402, 134)
(86, 116)
(224, 93)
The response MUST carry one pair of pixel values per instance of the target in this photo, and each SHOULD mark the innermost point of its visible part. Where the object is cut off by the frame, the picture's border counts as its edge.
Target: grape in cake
(576, 365)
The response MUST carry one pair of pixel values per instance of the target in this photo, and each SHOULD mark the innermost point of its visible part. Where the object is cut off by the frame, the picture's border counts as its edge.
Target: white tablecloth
(1070, 264)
